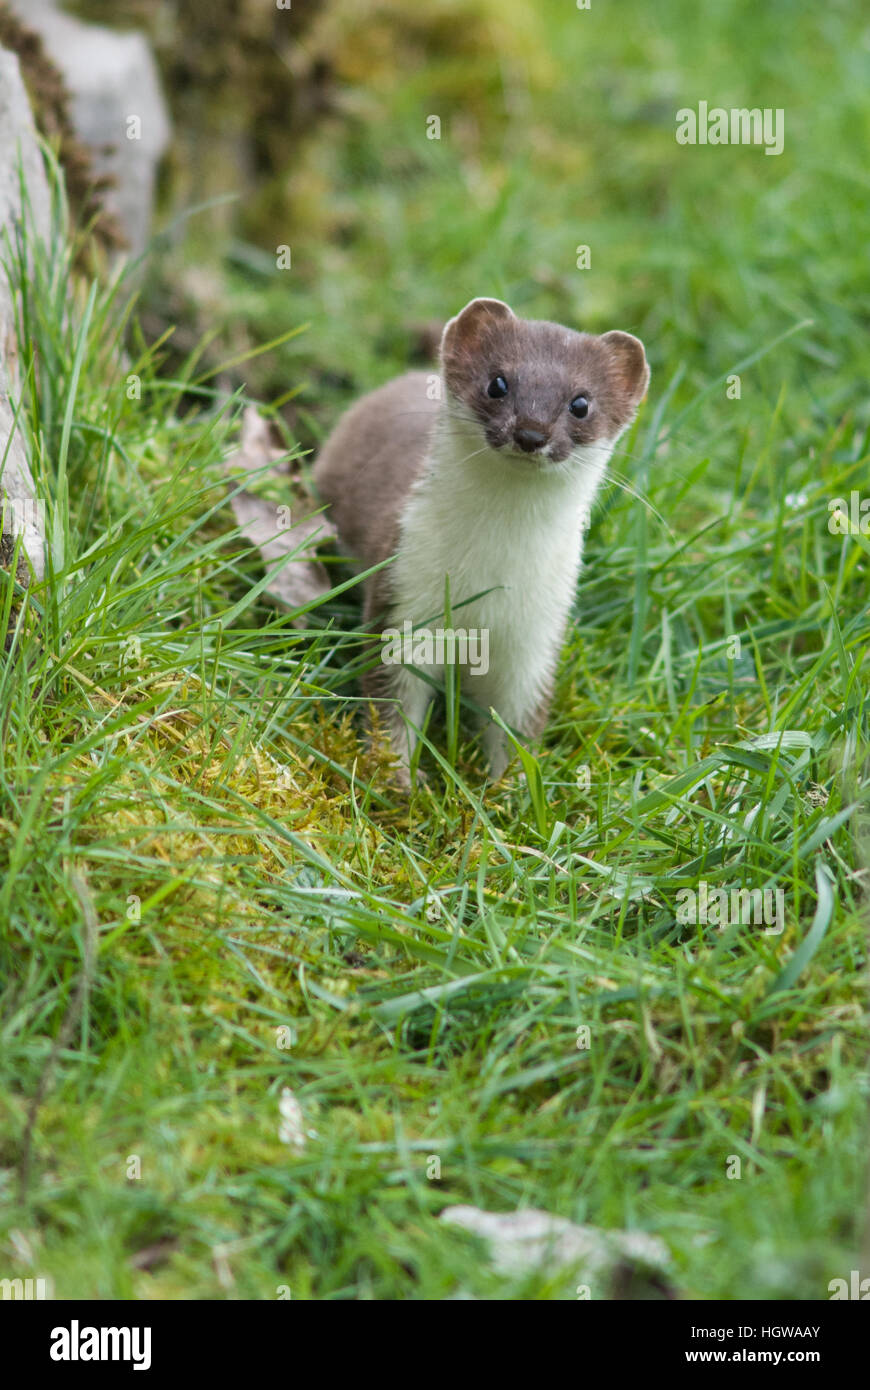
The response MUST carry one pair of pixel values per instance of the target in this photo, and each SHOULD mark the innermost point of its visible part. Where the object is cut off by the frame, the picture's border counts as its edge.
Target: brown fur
(380, 447)
(366, 468)
(487, 340)
(365, 472)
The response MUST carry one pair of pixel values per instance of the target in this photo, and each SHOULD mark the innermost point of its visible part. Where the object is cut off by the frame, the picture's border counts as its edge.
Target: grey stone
(116, 106)
(525, 1240)
(19, 153)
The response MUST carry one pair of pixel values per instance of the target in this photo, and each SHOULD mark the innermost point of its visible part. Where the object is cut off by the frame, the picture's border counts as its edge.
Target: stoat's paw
(400, 777)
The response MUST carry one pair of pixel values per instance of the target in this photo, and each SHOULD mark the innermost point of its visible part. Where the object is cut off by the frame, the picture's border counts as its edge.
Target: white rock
(19, 152)
(291, 1130)
(524, 1240)
(115, 102)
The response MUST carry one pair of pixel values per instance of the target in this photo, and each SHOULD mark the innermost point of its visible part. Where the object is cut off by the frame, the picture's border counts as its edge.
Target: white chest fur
(511, 532)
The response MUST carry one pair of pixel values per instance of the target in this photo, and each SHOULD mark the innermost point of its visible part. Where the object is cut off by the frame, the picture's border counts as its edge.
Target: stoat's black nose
(529, 440)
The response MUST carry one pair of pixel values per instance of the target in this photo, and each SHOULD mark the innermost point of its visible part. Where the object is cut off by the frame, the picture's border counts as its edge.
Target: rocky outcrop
(116, 105)
(20, 167)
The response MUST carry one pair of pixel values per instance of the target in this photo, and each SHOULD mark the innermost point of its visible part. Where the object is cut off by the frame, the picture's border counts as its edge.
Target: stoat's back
(368, 464)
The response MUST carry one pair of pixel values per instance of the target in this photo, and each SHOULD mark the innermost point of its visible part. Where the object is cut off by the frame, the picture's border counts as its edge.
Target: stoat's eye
(579, 407)
(497, 387)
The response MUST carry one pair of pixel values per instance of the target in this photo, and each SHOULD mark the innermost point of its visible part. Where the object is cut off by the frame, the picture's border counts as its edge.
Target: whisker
(474, 453)
(625, 486)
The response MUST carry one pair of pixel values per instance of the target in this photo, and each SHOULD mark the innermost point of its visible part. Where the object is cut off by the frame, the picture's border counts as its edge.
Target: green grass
(197, 848)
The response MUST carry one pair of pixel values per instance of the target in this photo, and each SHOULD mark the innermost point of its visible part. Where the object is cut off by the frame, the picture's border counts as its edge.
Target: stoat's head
(538, 390)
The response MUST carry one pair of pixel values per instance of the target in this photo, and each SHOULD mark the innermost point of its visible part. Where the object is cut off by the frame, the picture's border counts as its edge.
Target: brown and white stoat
(487, 481)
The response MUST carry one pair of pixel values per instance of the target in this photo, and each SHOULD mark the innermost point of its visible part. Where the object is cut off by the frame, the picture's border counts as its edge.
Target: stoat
(482, 478)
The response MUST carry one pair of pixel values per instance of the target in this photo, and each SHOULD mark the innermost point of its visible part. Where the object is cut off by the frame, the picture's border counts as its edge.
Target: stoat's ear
(627, 361)
(471, 323)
